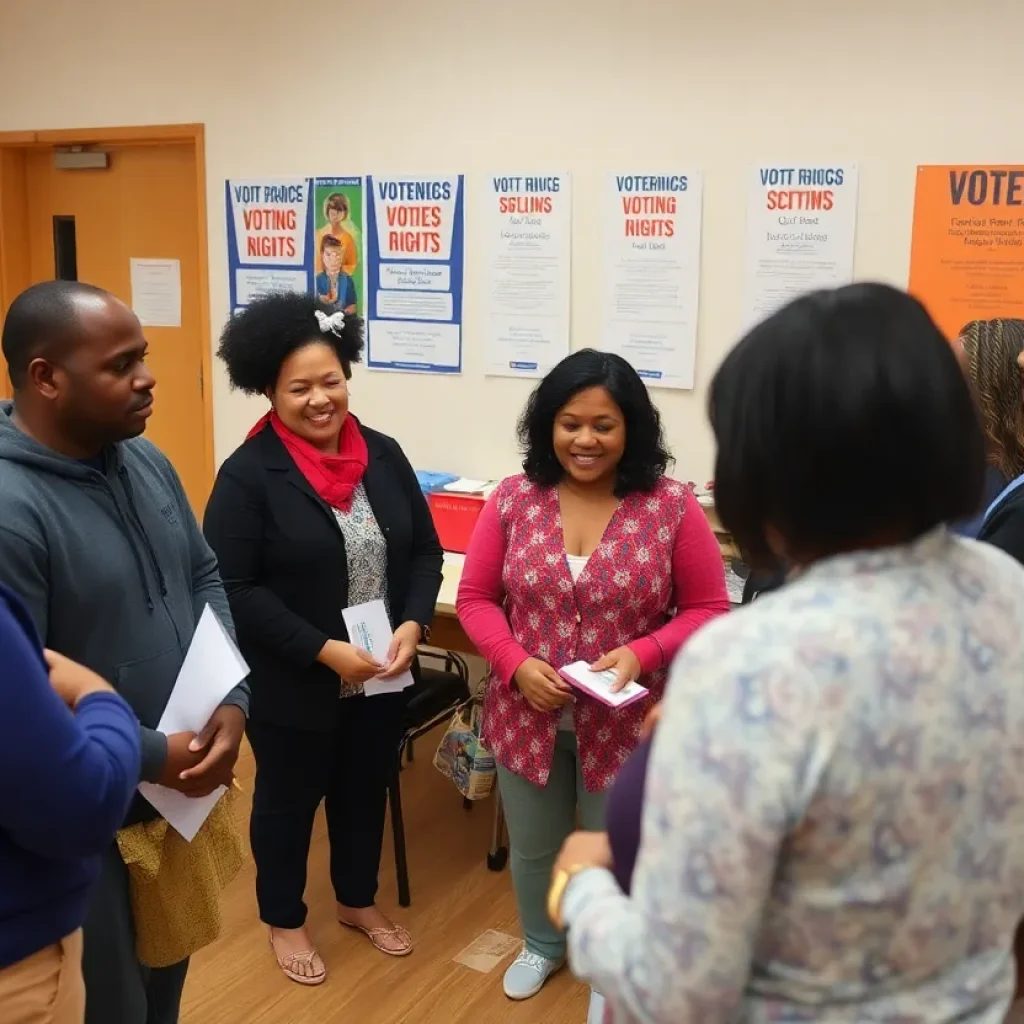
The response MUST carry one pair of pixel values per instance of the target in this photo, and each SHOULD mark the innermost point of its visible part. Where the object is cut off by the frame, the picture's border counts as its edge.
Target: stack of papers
(212, 668)
(369, 629)
(599, 685)
(464, 485)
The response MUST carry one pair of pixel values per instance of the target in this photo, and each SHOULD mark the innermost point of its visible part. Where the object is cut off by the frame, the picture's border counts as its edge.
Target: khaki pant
(47, 987)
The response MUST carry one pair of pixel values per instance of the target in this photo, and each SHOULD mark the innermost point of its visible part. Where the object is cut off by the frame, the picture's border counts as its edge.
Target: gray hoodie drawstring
(135, 554)
(126, 482)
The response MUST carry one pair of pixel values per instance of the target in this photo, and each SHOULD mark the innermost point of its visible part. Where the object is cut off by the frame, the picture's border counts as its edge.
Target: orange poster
(967, 252)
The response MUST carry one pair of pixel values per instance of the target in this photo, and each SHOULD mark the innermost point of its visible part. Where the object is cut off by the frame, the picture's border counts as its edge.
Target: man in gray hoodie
(98, 539)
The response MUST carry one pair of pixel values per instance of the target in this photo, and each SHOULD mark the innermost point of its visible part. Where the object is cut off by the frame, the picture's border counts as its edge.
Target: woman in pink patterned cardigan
(592, 554)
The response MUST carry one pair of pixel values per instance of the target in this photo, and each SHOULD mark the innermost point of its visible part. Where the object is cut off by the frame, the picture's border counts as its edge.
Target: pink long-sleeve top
(655, 578)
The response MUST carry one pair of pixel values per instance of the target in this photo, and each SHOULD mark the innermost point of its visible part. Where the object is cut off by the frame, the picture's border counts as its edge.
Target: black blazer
(282, 559)
(1005, 527)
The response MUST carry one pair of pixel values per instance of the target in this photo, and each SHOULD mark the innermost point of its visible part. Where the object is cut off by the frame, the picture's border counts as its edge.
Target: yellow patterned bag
(176, 885)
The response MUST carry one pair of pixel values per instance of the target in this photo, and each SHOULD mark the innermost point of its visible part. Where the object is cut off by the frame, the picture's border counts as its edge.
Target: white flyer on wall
(652, 273)
(801, 230)
(528, 220)
(156, 291)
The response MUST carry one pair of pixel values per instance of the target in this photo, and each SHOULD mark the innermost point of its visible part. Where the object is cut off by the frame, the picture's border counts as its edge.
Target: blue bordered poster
(415, 254)
(297, 235)
(269, 238)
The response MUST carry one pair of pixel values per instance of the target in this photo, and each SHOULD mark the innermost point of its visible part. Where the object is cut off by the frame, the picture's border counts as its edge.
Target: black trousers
(118, 989)
(349, 768)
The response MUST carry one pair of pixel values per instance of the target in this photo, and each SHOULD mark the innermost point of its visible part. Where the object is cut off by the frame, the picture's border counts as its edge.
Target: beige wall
(587, 86)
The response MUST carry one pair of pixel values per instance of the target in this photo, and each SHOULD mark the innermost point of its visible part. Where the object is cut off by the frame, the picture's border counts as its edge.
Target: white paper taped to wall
(156, 291)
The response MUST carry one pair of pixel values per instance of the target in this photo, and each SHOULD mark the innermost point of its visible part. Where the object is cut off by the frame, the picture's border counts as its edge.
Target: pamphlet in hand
(369, 630)
(599, 685)
(212, 668)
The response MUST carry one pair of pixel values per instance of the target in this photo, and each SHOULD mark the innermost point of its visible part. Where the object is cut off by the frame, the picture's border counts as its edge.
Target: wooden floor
(454, 900)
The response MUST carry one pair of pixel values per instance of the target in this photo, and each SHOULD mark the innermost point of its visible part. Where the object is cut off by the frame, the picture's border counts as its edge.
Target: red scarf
(333, 477)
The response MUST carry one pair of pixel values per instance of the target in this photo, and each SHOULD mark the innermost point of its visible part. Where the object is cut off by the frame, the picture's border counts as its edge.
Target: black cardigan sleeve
(425, 569)
(234, 529)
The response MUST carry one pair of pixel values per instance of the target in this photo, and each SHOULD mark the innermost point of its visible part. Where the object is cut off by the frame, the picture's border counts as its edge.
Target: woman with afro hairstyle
(315, 513)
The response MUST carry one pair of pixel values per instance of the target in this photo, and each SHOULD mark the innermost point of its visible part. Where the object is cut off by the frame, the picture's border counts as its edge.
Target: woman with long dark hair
(594, 555)
(992, 353)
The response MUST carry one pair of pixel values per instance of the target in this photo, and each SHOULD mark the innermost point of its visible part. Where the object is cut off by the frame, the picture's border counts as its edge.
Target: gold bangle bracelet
(556, 893)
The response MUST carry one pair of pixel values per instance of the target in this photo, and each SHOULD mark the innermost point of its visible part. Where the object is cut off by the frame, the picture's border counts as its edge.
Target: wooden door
(14, 269)
(144, 204)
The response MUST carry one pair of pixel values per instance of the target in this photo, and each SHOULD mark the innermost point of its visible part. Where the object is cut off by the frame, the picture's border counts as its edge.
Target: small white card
(599, 685)
(370, 630)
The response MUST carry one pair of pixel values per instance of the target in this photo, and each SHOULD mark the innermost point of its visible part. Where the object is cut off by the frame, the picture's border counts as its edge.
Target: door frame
(14, 254)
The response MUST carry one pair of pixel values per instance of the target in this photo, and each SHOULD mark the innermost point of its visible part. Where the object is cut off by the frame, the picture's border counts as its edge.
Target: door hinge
(201, 391)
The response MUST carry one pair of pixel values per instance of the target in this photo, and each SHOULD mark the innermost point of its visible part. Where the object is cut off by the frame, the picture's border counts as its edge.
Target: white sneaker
(527, 974)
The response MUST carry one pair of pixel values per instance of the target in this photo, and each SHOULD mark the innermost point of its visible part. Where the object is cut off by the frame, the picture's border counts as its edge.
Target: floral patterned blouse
(833, 826)
(366, 552)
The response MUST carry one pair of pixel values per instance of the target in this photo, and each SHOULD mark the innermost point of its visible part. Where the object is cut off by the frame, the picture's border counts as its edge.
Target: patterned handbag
(462, 757)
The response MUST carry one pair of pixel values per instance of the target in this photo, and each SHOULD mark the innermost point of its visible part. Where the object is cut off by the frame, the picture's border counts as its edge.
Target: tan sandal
(307, 958)
(379, 936)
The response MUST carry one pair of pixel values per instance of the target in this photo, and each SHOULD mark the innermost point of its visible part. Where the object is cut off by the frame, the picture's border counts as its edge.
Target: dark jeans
(349, 768)
(118, 989)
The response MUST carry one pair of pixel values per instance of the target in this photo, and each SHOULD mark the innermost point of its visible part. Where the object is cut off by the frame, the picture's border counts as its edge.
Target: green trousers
(540, 818)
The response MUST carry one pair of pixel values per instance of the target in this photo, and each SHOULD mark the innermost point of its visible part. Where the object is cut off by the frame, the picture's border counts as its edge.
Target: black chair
(433, 699)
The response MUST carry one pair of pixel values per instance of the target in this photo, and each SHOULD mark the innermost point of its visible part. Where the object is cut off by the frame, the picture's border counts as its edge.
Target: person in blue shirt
(70, 761)
(334, 287)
